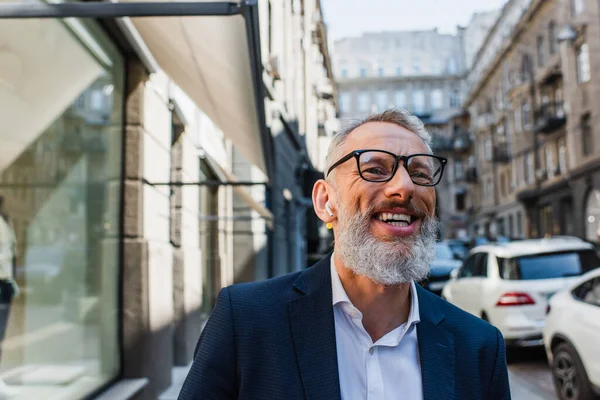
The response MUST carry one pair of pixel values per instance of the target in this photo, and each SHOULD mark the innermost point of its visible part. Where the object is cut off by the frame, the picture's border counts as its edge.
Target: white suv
(571, 339)
(509, 284)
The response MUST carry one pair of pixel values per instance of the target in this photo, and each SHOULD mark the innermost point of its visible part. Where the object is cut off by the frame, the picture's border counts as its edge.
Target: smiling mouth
(400, 220)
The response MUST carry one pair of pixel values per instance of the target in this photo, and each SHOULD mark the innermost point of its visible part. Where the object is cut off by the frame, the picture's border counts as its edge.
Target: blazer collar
(313, 333)
(436, 349)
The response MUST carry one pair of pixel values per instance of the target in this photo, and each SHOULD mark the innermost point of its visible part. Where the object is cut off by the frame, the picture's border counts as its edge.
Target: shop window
(59, 213)
(546, 221)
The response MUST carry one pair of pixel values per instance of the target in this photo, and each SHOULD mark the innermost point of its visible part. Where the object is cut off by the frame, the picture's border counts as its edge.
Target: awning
(210, 59)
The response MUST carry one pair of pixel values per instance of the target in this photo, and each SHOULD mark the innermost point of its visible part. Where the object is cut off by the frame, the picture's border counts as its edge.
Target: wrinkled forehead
(385, 136)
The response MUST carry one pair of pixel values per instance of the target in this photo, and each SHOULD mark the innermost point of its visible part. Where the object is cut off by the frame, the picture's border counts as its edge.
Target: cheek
(427, 197)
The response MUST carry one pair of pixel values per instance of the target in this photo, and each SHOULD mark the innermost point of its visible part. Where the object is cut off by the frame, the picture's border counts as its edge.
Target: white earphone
(328, 209)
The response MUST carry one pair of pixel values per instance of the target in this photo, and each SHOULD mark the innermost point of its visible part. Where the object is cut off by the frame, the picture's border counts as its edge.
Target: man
(355, 325)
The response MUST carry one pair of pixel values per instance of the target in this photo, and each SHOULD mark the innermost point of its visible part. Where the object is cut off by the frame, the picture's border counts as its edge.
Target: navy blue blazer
(275, 340)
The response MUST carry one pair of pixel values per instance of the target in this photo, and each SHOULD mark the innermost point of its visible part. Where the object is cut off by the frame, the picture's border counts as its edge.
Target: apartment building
(533, 105)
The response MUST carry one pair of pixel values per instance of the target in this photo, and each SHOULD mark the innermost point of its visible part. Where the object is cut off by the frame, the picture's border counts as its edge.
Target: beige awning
(208, 57)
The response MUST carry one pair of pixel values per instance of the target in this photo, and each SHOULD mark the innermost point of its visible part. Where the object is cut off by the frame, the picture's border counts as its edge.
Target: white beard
(398, 260)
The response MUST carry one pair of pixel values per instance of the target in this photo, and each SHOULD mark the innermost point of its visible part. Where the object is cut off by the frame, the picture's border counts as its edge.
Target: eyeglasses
(381, 166)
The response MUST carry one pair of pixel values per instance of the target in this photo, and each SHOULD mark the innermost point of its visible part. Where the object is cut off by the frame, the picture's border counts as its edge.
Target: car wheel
(570, 379)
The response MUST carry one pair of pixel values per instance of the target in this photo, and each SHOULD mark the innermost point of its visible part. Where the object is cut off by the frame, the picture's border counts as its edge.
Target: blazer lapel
(313, 332)
(436, 350)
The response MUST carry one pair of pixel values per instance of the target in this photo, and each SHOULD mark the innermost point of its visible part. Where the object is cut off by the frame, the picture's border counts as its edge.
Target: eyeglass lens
(377, 166)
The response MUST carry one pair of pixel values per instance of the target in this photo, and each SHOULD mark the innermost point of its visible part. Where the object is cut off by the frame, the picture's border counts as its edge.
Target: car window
(546, 266)
(589, 292)
(480, 268)
(443, 252)
(467, 269)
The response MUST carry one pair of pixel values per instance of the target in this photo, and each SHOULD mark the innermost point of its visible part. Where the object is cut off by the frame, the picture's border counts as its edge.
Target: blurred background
(148, 161)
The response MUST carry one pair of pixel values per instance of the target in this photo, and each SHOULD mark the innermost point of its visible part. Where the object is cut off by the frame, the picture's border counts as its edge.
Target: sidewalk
(178, 377)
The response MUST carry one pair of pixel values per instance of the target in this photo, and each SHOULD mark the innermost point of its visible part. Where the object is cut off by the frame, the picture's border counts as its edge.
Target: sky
(353, 17)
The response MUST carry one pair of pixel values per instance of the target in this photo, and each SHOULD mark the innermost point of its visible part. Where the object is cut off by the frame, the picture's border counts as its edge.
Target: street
(529, 375)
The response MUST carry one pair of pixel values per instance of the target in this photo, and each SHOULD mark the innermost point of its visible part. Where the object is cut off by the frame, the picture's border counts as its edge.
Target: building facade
(422, 72)
(142, 171)
(532, 105)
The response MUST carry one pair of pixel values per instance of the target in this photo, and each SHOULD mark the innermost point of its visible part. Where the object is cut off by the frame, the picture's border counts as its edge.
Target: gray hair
(393, 116)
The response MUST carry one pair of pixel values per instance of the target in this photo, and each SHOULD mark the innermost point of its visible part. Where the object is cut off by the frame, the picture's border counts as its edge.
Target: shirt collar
(340, 296)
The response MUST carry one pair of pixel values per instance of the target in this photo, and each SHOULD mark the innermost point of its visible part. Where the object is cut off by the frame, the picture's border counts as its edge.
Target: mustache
(395, 204)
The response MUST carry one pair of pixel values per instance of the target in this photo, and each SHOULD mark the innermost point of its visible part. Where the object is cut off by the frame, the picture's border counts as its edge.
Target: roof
(534, 246)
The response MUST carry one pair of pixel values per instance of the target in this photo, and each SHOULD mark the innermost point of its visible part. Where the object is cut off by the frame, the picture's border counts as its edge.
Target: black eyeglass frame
(357, 153)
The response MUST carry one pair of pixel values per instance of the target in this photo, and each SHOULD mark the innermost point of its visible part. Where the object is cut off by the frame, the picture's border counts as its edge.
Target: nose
(400, 186)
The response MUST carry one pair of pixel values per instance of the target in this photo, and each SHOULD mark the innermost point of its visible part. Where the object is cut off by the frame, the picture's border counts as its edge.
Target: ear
(320, 197)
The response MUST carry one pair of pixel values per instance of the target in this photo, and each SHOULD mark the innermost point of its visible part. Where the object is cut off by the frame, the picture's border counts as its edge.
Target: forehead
(385, 136)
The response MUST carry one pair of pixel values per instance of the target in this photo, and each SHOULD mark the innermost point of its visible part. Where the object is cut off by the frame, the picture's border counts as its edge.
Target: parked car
(571, 339)
(509, 284)
(445, 262)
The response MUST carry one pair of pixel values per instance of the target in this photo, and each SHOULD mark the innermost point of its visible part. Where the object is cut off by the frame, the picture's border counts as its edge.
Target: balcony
(484, 121)
(550, 117)
(442, 144)
(462, 143)
(501, 154)
(471, 175)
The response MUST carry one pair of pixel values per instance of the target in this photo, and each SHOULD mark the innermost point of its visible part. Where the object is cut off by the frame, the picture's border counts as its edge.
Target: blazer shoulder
(255, 293)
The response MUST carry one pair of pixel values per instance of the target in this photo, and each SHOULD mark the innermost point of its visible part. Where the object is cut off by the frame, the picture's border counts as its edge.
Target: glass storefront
(61, 113)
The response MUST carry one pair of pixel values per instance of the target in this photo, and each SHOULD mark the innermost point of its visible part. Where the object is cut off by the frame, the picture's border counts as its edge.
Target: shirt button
(371, 350)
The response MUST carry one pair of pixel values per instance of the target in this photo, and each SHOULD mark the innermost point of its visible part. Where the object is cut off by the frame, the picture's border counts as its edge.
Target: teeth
(394, 217)
(398, 223)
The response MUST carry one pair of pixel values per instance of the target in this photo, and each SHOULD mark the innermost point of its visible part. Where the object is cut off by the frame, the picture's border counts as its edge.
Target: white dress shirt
(384, 370)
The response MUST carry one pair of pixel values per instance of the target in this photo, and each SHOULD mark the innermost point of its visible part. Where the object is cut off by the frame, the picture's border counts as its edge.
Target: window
(517, 118)
(345, 99)
(583, 63)
(454, 99)
(398, 70)
(60, 229)
(586, 135)
(487, 149)
(380, 71)
(526, 114)
(344, 72)
(511, 227)
(399, 99)
(529, 168)
(363, 72)
(458, 169)
(547, 265)
(489, 188)
(436, 99)
(550, 162)
(460, 201)
(520, 169)
(474, 266)
(418, 101)
(452, 67)
(562, 155)
(519, 224)
(541, 51)
(546, 220)
(364, 102)
(577, 6)
(552, 40)
(381, 99)
(589, 292)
